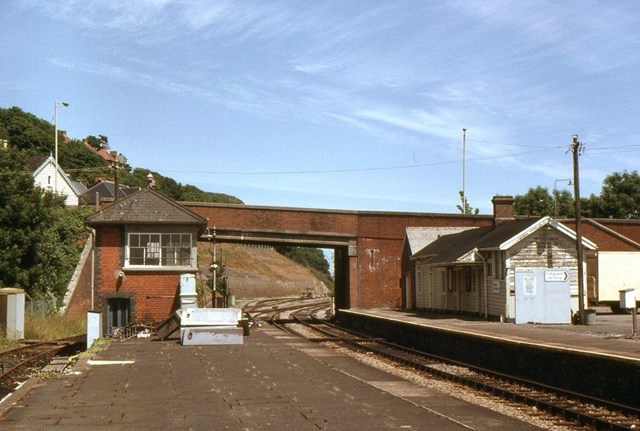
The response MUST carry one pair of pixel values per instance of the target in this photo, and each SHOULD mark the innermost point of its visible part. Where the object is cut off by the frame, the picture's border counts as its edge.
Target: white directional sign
(556, 275)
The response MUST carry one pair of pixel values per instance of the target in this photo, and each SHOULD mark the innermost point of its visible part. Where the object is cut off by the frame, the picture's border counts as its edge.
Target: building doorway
(118, 313)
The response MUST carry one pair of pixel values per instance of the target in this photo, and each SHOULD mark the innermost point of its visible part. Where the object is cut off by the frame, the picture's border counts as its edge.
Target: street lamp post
(555, 194)
(464, 173)
(55, 128)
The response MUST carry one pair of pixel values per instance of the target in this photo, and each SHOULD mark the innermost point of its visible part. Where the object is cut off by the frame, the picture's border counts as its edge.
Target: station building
(143, 244)
(522, 270)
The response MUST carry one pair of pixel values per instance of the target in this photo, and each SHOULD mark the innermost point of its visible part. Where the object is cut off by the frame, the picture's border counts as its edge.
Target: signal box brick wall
(155, 294)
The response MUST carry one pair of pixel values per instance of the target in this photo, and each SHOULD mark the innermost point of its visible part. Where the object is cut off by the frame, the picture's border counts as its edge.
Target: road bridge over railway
(367, 244)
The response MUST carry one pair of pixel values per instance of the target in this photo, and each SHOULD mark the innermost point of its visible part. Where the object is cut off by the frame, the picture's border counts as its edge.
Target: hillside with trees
(41, 239)
(28, 136)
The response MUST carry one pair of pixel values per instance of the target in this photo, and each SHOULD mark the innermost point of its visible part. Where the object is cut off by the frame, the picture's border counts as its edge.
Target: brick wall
(604, 240)
(373, 272)
(154, 294)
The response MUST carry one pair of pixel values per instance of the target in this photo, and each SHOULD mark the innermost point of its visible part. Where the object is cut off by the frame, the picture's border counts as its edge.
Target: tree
(536, 202)
(563, 204)
(97, 142)
(82, 165)
(467, 208)
(310, 257)
(26, 132)
(591, 206)
(620, 196)
(40, 240)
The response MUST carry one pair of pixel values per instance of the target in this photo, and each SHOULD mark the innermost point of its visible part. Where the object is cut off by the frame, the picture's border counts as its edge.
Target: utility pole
(576, 149)
(55, 132)
(118, 162)
(464, 159)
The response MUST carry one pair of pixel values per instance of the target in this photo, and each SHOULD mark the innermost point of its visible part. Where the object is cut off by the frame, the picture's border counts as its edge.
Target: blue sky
(353, 105)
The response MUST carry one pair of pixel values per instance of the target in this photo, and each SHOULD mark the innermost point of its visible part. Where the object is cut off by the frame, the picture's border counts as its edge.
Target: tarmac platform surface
(611, 335)
(273, 381)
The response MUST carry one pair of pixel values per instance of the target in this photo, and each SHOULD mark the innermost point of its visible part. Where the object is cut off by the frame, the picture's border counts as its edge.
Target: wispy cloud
(601, 40)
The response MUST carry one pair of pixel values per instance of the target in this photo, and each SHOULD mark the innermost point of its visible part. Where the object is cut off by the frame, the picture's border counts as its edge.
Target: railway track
(572, 410)
(19, 363)
(266, 310)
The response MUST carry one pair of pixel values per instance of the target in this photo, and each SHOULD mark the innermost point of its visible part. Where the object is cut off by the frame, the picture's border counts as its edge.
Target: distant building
(45, 176)
(520, 269)
(105, 190)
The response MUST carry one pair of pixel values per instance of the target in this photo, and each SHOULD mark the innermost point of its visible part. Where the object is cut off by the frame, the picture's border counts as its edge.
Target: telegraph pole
(576, 149)
(464, 157)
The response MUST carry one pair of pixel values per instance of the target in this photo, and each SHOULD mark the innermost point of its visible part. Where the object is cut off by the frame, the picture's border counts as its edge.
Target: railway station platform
(273, 381)
(609, 337)
(601, 360)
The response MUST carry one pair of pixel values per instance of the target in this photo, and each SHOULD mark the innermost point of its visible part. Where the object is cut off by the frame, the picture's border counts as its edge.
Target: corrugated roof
(147, 206)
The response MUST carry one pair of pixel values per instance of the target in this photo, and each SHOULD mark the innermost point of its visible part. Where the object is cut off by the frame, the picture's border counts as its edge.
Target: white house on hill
(45, 176)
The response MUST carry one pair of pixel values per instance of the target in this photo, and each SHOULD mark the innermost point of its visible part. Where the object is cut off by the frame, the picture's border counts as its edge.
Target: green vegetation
(30, 136)
(312, 258)
(619, 198)
(467, 209)
(49, 327)
(53, 326)
(40, 239)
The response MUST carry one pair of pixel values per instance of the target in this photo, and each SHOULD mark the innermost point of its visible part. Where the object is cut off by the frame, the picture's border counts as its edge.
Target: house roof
(504, 232)
(459, 247)
(106, 155)
(79, 187)
(36, 162)
(449, 248)
(146, 206)
(106, 189)
(419, 237)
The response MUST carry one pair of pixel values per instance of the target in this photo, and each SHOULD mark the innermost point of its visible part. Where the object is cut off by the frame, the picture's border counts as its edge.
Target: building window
(490, 264)
(499, 264)
(155, 249)
(469, 282)
(453, 280)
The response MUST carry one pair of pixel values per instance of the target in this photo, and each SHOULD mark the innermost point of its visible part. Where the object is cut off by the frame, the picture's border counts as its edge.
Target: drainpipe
(93, 267)
(484, 282)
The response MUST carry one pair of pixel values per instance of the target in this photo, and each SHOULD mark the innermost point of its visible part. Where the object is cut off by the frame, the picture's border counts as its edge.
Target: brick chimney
(502, 209)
